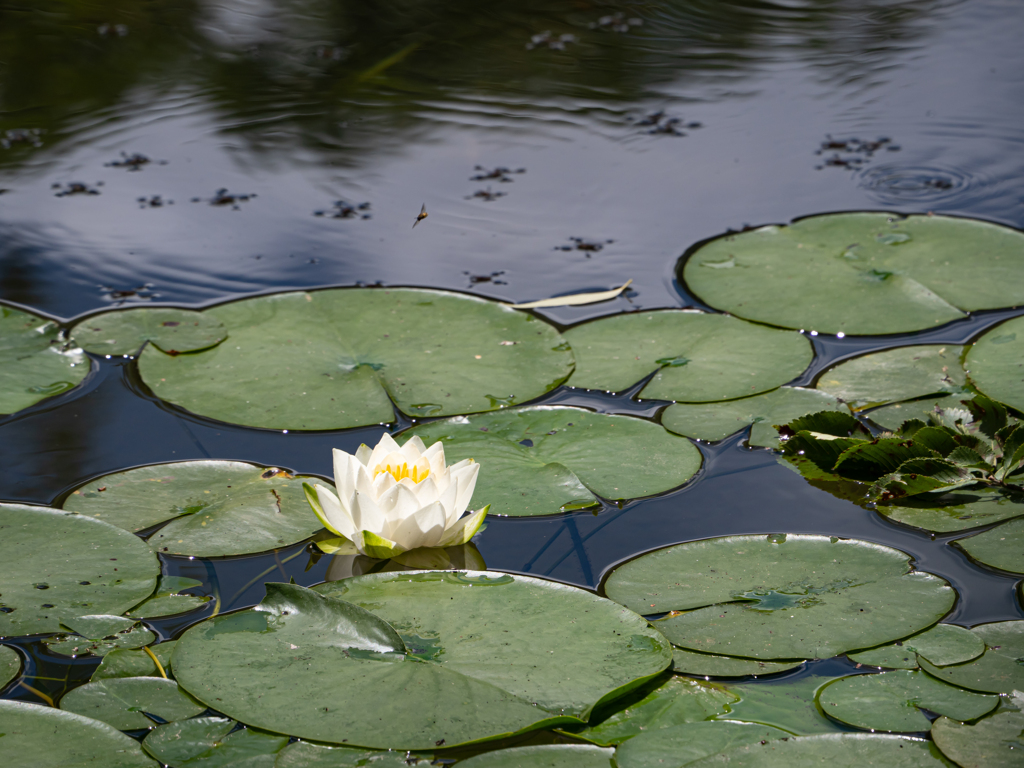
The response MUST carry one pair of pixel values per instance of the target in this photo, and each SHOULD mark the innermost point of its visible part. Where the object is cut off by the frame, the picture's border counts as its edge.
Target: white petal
(381, 485)
(345, 472)
(447, 499)
(464, 530)
(366, 515)
(397, 504)
(335, 513)
(436, 458)
(424, 528)
(460, 465)
(364, 481)
(386, 445)
(363, 453)
(426, 491)
(466, 481)
(413, 448)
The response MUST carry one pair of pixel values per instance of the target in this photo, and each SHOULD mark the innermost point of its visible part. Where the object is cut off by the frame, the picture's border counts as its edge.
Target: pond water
(187, 153)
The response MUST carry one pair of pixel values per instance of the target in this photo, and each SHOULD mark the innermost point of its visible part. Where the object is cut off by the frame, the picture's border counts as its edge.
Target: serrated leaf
(922, 476)
(1013, 454)
(879, 457)
(939, 439)
(835, 423)
(988, 414)
(967, 457)
(823, 450)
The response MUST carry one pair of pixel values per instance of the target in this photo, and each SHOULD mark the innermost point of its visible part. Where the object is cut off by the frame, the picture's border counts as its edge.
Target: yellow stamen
(399, 469)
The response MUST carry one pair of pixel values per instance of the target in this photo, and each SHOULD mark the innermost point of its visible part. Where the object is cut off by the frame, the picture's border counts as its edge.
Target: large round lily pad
(542, 459)
(955, 510)
(709, 665)
(787, 704)
(332, 359)
(836, 750)
(995, 742)
(998, 670)
(891, 701)
(698, 357)
(303, 754)
(861, 273)
(216, 508)
(995, 363)
(34, 363)
(715, 421)
(903, 373)
(58, 565)
(173, 331)
(44, 737)
(1000, 547)
(10, 665)
(781, 597)
(123, 702)
(475, 655)
(942, 644)
(682, 744)
(544, 756)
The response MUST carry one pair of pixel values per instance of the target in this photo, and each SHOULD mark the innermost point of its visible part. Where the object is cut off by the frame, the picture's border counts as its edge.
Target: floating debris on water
(582, 244)
(492, 278)
(856, 152)
(661, 123)
(222, 197)
(31, 136)
(499, 174)
(486, 195)
(554, 42)
(154, 201)
(345, 210)
(76, 188)
(132, 162)
(616, 22)
(142, 292)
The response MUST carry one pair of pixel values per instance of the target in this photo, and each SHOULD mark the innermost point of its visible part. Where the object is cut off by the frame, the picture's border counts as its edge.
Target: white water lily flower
(396, 498)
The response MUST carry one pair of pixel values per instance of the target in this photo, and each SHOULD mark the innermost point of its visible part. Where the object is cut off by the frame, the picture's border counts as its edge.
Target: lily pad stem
(159, 666)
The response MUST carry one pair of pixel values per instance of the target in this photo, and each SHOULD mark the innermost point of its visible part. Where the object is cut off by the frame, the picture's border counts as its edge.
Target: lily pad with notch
(337, 358)
(786, 704)
(213, 742)
(131, 662)
(46, 737)
(34, 362)
(892, 701)
(1000, 547)
(680, 745)
(860, 273)
(541, 460)
(168, 600)
(994, 363)
(476, 655)
(215, 508)
(941, 645)
(99, 635)
(59, 565)
(996, 741)
(781, 596)
(893, 375)
(716, 421)
(699, 357)
(126, 702)
(998, 670)
(173, 331)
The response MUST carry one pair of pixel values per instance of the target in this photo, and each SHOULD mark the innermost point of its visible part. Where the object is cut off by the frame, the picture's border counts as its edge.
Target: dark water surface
(708, 116)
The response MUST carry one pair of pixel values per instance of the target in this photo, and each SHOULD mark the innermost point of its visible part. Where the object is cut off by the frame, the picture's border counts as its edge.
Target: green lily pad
(34, 363)
(781, 596)
(955, 510)
(125, 662)
(10, 665)
(58, 565)
(715, 421)
(891, 701)
(303, 754)
(167, 601)
(208, 742)
(682, 744)
(45, 737)
(332, 359)
(942, 644)
(698, 357)
(77, 645)
(998, 670)
(861, 273)
(1001, 547)
(480, 656)
(123, 332)
(216, 508)
(709, 665)
(544, 756)
(995, 365)
(838, 750)
(542, 459)
(674, 701)
(123, 702)
(787, 704)
(995, 742)
(891, 416)
(903, 373)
